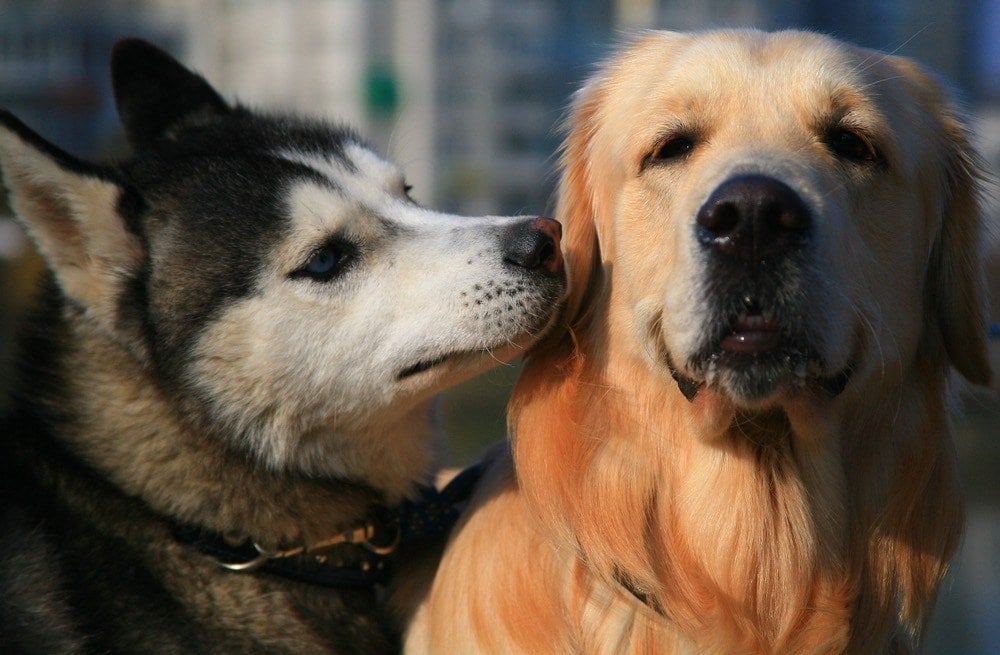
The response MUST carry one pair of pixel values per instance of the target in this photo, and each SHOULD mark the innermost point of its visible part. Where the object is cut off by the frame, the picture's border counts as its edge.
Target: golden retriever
(740, 444)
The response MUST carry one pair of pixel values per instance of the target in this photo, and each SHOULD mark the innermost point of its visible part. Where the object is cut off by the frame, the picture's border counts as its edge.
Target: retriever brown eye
(673, 148)
(848, 145)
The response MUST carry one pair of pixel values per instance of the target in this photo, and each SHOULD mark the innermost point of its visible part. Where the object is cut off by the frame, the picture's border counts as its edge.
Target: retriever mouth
(831, 385)
(421, 366)
(755, 355)
(753, 332)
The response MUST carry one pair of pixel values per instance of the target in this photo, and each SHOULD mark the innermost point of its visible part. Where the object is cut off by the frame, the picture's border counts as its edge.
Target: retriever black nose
(533, 244)
(753, 217)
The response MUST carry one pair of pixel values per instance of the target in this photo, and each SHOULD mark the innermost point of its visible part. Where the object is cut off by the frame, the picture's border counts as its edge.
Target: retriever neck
(762, 538)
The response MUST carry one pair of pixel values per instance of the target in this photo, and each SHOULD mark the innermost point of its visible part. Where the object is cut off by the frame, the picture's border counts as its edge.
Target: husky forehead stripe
(352, 157)
(272, 133)
(361, 176)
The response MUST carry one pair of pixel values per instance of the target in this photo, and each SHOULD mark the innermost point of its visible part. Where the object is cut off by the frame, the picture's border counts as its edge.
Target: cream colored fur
(792, 523)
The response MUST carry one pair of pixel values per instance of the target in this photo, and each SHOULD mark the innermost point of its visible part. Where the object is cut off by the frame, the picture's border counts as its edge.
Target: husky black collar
(360, 556)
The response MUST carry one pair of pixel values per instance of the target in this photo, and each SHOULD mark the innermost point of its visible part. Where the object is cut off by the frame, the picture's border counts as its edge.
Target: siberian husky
(223, 398)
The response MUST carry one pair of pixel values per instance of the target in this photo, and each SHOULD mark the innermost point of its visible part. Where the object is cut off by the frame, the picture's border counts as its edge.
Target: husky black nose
(533, 244)
(753, 217)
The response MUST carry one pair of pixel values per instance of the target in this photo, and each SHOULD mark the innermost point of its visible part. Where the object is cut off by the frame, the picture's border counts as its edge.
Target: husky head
(273, 277)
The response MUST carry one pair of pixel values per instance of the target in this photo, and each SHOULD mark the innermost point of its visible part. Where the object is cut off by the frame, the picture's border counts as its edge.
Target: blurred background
(466, 95)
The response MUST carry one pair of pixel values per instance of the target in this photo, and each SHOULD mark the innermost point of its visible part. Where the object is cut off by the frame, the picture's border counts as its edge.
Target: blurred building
(465, 94)
(504, 72)
(54, 68)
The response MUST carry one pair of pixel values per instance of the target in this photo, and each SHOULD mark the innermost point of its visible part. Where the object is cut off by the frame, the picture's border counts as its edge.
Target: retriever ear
(955, 276)
(155, 94)
(957, 266)
(70, 210)
(576, 207)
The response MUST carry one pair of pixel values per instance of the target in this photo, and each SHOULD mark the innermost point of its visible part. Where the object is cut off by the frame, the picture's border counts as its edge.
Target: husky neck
(820, 532)
(114, 415)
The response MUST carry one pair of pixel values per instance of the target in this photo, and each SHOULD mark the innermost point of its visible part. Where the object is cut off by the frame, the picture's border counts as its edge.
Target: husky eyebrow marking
(331, 165)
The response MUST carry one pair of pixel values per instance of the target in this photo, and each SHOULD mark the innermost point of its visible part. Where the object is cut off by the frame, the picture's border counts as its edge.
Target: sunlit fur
(799, 523)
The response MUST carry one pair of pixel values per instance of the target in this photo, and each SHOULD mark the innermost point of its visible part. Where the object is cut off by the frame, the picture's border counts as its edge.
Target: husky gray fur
(240, 337)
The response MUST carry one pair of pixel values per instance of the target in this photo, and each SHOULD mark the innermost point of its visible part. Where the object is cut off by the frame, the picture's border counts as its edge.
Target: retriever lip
(831, 385)
(687, 386)
(420, 367)
(835, 384)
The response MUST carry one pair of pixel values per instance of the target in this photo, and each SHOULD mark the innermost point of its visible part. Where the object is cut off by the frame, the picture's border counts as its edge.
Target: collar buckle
(369, 536)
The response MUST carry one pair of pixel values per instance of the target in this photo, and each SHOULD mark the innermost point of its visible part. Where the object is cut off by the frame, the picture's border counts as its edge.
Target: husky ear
(70, 211)
(155, 94)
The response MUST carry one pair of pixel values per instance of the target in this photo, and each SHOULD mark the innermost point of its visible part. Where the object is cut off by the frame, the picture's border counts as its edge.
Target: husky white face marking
(407, 301)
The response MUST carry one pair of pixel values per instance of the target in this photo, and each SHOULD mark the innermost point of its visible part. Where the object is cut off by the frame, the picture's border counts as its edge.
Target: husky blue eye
(326, 262)
(322, 262)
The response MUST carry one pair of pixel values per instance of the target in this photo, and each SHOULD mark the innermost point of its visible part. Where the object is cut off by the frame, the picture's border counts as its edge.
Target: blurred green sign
(381, 91)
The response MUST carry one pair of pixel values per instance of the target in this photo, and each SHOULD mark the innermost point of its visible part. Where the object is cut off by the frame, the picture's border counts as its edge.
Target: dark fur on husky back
(86, 567)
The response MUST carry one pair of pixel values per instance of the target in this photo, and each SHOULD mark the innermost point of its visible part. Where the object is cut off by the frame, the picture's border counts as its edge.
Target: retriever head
(767, 228)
